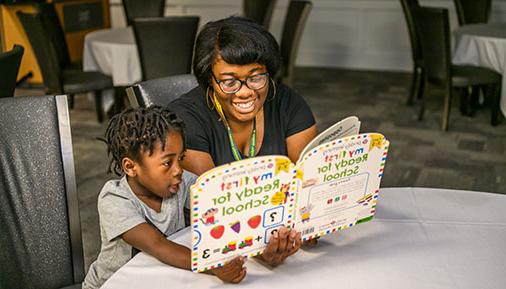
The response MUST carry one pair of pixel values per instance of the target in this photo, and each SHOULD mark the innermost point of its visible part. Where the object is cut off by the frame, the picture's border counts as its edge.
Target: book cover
(334, 185)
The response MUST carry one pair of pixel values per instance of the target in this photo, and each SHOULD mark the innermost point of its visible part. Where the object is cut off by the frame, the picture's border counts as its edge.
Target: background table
(420, 238)
(114, 53)
(483, 45)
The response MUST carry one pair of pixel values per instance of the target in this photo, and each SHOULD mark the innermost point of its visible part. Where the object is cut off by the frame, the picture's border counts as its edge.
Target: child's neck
(151, 200)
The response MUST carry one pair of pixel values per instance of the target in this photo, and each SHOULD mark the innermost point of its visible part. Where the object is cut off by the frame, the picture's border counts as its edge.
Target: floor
(470, 156)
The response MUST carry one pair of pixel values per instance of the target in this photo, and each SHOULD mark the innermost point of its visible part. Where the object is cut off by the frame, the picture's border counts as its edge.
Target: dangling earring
(209, 100)
(273, 88)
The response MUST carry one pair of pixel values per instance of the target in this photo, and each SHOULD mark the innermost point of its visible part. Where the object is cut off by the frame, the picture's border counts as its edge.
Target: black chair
(142, 8)
(417, 85)
(9, 68)
(56, 35)
(295, 21)
(434, 29)
(160, 91)
(56, 79)
(165, 45)
(40, 233)
(473, 11)
(259, 11)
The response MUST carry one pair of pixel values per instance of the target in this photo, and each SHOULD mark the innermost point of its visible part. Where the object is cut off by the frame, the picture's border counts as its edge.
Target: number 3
(205, 254)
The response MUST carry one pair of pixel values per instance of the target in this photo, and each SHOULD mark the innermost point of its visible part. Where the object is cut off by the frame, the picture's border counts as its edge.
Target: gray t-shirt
(120, 210)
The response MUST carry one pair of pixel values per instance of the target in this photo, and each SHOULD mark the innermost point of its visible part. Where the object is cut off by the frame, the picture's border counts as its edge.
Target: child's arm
(147, 239)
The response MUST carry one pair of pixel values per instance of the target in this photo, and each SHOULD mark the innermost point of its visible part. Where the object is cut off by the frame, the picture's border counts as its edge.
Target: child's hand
(232, 272)
(282, 244)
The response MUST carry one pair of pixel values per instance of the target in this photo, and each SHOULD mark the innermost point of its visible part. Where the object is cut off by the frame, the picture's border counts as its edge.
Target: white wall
(358, 34)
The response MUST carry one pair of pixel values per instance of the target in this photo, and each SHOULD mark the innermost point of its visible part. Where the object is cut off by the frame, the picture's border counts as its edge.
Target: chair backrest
(40, 232)
(9, 68)
(259, 11)
(473, 11)
(142, 8)
(408, 7)
(434, 28)
(160, 91)
(165, 45)
(55, 32)
(296, 16)
(44, 50)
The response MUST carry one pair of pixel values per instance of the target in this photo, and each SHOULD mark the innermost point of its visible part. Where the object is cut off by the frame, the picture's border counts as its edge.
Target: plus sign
(258, 238)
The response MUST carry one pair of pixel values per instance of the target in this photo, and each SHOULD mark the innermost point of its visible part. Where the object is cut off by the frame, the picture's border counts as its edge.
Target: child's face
(160, 173)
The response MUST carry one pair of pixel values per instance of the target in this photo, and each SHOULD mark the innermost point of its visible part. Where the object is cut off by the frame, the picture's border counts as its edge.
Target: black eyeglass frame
(243, 82)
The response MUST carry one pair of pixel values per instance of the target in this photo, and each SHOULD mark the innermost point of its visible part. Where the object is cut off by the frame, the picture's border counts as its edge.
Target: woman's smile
(244, 107)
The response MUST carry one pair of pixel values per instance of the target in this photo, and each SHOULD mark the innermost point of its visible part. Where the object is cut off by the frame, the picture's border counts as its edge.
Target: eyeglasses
(233, 85)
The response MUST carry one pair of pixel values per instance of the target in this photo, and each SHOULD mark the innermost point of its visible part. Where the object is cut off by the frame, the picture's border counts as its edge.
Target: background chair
(56, 35)
(9, 68)
(434, 28)
(40, 232)
(473, 11)
(416, 91)
(56, 79)
(295, 21)
(259, 11)
(160, 91)
(165, 45)
(142, 8)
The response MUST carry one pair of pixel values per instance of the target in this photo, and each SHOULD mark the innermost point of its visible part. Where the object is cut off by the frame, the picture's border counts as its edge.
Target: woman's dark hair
(134, 131)
(236, 40)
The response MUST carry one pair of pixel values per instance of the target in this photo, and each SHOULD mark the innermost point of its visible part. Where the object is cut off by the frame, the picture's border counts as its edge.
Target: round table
(420, 238)
(114, 53)
(483, 45)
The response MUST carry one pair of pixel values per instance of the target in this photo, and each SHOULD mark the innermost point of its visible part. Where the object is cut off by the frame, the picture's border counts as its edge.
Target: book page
(235, 208)
(346, 127)
(340, 184)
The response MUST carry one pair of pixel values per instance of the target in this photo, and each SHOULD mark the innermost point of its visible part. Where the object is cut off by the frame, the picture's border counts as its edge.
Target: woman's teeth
(244, 105)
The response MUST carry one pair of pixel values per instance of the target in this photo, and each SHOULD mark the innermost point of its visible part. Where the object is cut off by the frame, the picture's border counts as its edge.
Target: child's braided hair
(136, 130)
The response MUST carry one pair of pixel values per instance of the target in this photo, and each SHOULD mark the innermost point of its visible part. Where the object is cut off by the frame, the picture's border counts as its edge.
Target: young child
(138, 211)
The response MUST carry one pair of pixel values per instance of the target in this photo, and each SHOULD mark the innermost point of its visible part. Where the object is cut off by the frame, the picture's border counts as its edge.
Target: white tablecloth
(483, 45)
(114, 53)
(420, 238)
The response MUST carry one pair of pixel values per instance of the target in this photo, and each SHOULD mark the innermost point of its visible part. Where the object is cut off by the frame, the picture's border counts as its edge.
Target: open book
(334, 185)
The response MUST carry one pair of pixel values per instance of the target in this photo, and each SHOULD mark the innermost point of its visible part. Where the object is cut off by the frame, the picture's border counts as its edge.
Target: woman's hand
(232, 272)
(311, 243)
(282, 244)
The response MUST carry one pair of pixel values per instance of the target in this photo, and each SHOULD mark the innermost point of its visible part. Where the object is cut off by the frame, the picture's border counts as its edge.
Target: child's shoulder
(116, 188)
(188, 179)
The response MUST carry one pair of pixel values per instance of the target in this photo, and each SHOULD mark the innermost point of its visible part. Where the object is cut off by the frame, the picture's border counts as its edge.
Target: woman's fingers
(283, 243)
(241, 276)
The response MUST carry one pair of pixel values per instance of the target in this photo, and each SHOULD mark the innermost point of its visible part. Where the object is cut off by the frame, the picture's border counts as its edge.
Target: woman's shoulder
(191, 105)
(286, 96)
(193, 98)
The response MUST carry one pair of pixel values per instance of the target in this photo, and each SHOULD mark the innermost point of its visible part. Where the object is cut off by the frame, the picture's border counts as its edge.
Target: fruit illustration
(236, 226)
(217, 231)
(254, 221)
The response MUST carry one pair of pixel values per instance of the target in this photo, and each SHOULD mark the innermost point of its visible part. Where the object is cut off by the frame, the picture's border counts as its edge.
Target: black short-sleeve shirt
(285, 115)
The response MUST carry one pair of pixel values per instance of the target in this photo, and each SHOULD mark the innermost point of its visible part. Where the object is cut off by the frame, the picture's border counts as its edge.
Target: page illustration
(340, 184)
(237, 207)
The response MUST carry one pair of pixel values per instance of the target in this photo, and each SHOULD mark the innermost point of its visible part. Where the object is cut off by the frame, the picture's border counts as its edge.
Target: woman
(238, 111)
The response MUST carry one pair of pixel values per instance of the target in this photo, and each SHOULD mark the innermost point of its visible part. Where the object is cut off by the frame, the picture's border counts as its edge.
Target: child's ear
(129, 167)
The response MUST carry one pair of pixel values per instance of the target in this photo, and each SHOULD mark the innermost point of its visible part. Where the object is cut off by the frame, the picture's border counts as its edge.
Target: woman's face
(243, 105)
